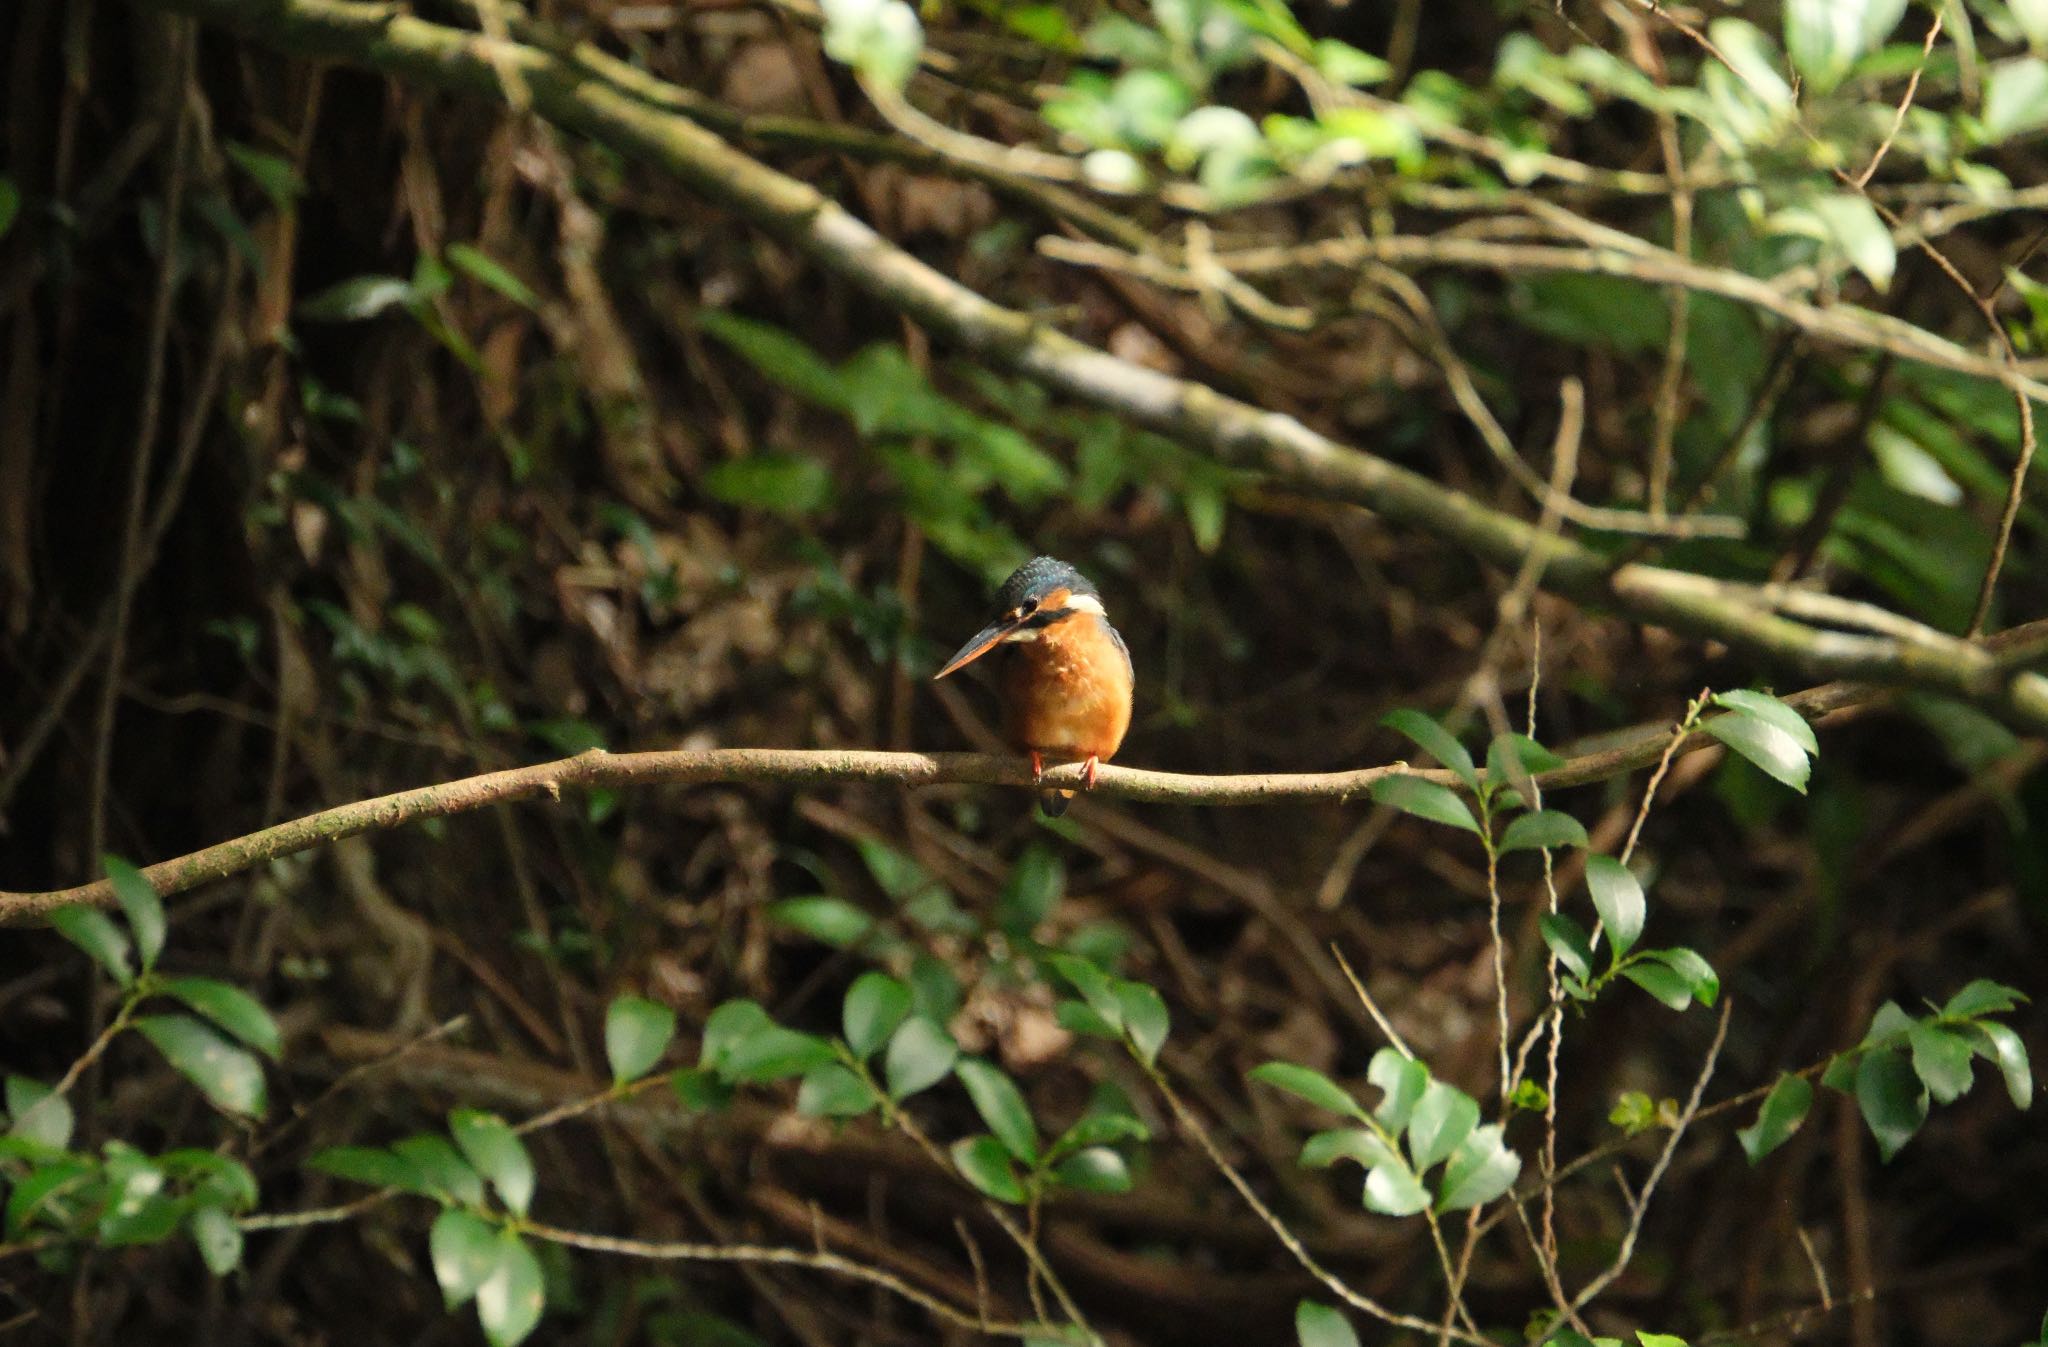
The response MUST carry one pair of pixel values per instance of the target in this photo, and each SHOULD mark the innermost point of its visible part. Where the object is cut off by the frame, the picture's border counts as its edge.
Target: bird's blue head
(1042, 591)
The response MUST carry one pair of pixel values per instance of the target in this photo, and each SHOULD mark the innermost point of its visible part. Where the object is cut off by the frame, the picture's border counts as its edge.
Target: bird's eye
(1029, 607)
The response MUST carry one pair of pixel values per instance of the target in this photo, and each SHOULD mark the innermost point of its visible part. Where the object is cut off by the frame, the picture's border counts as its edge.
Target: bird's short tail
(1054, 802)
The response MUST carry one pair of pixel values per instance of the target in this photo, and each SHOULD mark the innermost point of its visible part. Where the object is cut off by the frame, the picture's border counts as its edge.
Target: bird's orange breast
(1068, 692)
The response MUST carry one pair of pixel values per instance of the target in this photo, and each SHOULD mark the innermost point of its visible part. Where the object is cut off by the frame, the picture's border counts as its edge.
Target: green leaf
(882, 39)
(495, 1151)
(1892, 1100)
(778, 355)
(1784, 1109)
(2015, 98)
(482, 267)
(46, 1193)
(1424, 799)
(1093, 984)
(699, 1090)
(1342, 63)
(833, 1092)
(920, 1054)
(1442, 1120)
(370, 1165)
(1434, 740)
(218, 1239)
(1101, 1129)
(637, 1032)
(1542, 830)
(465, 1251)
(1764, 707)
(1660, 982)
(1942, 1061)
(1392, 1189)
(95, 932)
(509, 1301)
(1825, 38)
(1144, 1017)
(443, 1172)
(1001, 1105)
(773, 1053)
(831, 921)
(1346, 1143)
(1659, 1339)
(1699, 976)
(1569, 942)
(1321, 1326)
(875, 1004)
(1508, 749)
(1311, 1085)
(229, 1007)
(357, 299)
(1618, 898)
(140, 904)
(1852, 224)
(1401, 1080)
(1777, 753)
(38, 1113)
(1095, 1169)
(225, 1074)
(1031, 892)
(1481, 1169)
(2010, 1053)
(783, 484)
(985, 1163)
(1981, 997)
(726, 1027)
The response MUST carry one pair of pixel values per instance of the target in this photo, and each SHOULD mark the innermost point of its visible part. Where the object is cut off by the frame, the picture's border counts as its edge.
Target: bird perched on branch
(1067, 686)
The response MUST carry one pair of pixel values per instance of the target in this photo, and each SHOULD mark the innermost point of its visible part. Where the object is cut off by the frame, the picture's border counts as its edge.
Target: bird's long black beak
(985, 640)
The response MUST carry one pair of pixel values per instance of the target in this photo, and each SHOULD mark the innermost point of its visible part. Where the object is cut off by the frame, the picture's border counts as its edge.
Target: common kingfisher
(1067, 688)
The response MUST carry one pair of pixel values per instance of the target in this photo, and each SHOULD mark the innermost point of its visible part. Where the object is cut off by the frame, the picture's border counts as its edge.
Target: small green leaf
(509, 1301)
(1094, 1169)
(1393, 1190)
(38, 1114)
(1659, 1339)
(1981, 997)
(1618, 898)
(727, 1027)
(636, 1033)
(1763, 706)
(1892, 1100)
(1346, 1143)
(1401, 1080)
(1942, 1061)
(481, 266)
(2015, 98)
(225, 1074)
(920, 1055)
(1425, 800)
(699, 1090)
(833, 1092)
(830, 921)
(1001, 1105)
(140, 904)
(1442, 1120)
(1093, 984)
(1699, 975)
(1777, 753)
(1569, 942)
(218, 1239)
(1784, 1109)
(1306, 1083)
(357, 299)
(495, 1151)
(371, 1165)
(875, 1004)
(1101, 1129)
(2010, 1054)
(229, 1007)
(465, 1253)
(1481, 1169)
(1321, 1326)
(95, 932)
(1433, 739)
(1660, 982)
(1144, 1017)
(1343, 63)
(443, 1172)
(1031, 892)
(985, 1163)
(47, 1193)
(773, 1053)
(782, 484)
(1507, 749)
(1542, 830)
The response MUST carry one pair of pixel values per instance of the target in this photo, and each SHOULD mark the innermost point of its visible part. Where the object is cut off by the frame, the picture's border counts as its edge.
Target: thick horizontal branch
(384, 38)
(813, 767)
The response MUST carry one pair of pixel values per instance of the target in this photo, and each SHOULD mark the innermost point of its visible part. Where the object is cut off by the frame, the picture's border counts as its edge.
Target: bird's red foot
(1037, 766)
(1088, 772)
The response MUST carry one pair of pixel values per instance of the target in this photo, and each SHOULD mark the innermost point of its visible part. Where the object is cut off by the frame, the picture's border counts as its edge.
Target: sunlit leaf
(1478, 1171)
(1001, 1105)
(636, 1033)
(229, 1007)
(140, 905)
(1424, 799)
(920, 1055)
(1442, 1120)
(1618, 898)
(985, 1163)
(1311, 1085)
(1321, 1326)
(1401, 1080)
(509, 1301)
(95, 932)
(465, 1253)
(1433, 739)
(225, 1074)
(875, 1004)
(495, 1151)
